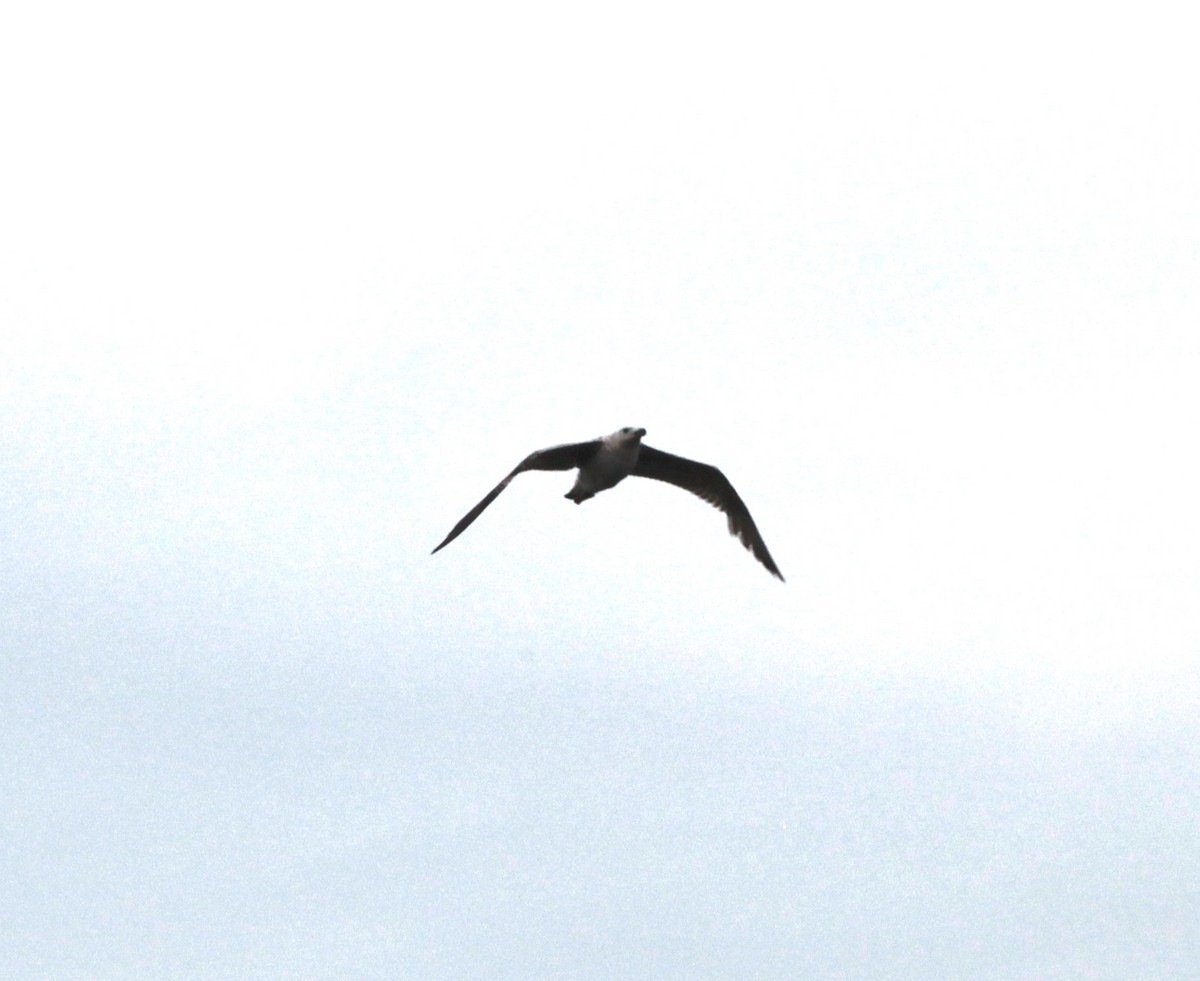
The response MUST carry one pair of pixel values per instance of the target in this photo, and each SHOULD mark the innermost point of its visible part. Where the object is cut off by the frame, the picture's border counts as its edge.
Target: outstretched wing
(711, 485)
(568, 456)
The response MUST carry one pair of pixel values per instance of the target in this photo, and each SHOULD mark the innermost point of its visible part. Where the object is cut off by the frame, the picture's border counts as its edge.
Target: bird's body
(613, 461)
(605, 462)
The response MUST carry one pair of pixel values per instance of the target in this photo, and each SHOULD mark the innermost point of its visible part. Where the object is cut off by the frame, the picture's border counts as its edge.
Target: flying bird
(605, 462)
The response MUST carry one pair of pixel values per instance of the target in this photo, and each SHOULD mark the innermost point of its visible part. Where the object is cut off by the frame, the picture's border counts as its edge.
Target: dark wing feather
(709, 484)
(566, 456)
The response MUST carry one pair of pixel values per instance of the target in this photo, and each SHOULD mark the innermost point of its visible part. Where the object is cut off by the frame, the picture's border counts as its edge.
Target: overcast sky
(285, 290)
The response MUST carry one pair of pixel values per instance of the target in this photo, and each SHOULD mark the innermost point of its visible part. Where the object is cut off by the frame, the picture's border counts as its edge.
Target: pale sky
(284, 291)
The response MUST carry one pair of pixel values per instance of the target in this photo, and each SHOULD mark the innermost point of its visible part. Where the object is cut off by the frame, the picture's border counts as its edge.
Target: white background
(286, 289)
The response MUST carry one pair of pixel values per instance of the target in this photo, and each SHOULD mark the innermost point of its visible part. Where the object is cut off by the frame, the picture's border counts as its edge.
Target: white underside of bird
(614, 461)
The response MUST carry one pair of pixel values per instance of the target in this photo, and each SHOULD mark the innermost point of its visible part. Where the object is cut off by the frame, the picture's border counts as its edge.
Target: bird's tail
(577, 495)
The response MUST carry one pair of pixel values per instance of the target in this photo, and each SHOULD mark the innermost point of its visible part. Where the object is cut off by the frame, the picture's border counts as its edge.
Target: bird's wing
(708, 483)
(567, 456)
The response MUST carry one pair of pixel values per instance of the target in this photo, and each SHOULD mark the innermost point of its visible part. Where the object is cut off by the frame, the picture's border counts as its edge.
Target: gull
(606, 461)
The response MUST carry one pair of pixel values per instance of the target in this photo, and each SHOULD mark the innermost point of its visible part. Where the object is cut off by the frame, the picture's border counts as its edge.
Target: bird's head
(628, 434)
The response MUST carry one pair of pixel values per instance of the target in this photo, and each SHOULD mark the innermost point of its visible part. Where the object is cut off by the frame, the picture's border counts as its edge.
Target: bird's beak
(641, 432)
